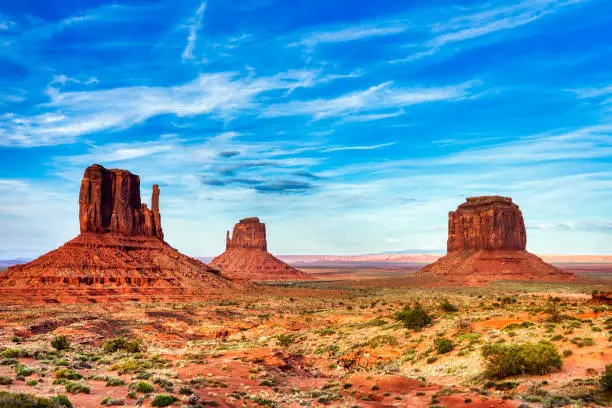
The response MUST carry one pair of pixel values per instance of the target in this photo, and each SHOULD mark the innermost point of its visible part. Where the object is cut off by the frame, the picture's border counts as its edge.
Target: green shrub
(443, 345)
(13, 400)
(23, 371)
(60, 343)
(163, 400)
(413, 318)
(121, 344)
(114, 382)
(68, 374)
(267, 383)
(164, 383)
(32, 383)
(5, 380)
(184, 390)
(383, 340)
(62, 401)
(515, 326)
(606, 379)
(446, 306)
(285, 339)
(76, 387)
(109, 401)
(514, 359)
(12, 353)
(142, 386)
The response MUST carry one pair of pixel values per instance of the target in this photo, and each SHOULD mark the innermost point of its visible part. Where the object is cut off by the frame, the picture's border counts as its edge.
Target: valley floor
(332, 342)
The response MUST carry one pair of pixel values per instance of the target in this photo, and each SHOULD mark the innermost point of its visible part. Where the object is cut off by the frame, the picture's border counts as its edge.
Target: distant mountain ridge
(389, 257)
(5, 263)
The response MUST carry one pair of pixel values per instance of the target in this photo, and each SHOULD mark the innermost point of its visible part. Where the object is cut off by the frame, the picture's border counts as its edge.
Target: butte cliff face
(246, 255)
(109, 201)
(487, 241)
(486, 223)
(119, 254)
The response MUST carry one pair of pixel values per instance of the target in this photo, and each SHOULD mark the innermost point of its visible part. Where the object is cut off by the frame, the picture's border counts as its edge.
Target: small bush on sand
(12, 353)
(13, 400)
(23, 371)
(383, 340)
(68, 374)
(109, 401)
(62, 401)
(60, 343)
(443, 345)
(114, 382)
(413, 318)
(142, 386)
(5, 380)
(122, 344)
(606, 379)
(285, 339)
(446, 306)
(514, 359)
(76, 388)
(163, 400)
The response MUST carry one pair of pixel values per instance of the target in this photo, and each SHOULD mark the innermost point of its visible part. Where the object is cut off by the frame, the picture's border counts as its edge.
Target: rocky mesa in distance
(120, 251)
(487, 241)
(246, 255)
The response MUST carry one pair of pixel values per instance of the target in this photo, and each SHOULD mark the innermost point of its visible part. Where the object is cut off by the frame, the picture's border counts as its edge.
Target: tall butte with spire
(119, 254)
(246, 255)
(487, 241)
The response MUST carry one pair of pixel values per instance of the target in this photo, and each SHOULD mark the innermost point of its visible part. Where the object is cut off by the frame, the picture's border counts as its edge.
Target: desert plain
(331, 341)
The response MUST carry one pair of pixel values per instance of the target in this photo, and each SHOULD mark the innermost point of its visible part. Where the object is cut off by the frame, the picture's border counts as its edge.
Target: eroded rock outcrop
(109, 201)
(248, 233)
(246, 255)
(120, 251)
(487, 241)
(486, 223)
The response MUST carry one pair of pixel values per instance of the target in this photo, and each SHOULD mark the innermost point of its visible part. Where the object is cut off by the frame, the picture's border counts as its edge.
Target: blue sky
(347, 126)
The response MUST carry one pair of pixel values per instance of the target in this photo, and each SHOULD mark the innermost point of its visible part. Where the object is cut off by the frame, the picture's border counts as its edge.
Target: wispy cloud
(72, 114)
(484, 21)
(195, 24)
(377, 97)
(368, 147)
(601, 95)
(353, 33)
(373, 116)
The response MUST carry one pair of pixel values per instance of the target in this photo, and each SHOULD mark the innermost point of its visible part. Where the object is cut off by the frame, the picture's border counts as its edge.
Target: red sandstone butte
(487, 241)
(246, 255)
(119, 253)
(109, 201)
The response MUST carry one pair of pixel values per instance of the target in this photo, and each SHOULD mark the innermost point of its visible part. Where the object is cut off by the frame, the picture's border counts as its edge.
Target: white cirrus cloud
(69, 115)
(352, 33)
(195, 24)
(377, 97)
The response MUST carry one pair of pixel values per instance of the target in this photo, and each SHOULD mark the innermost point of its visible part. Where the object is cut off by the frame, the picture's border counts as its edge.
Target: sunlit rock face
(246, 255)
(109, 201)
(120, 253)
(486, 242)
(486, 223)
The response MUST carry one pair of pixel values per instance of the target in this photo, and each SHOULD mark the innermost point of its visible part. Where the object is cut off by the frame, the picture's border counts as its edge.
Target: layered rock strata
(246, 255)
(120, 249)
(487, 241)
